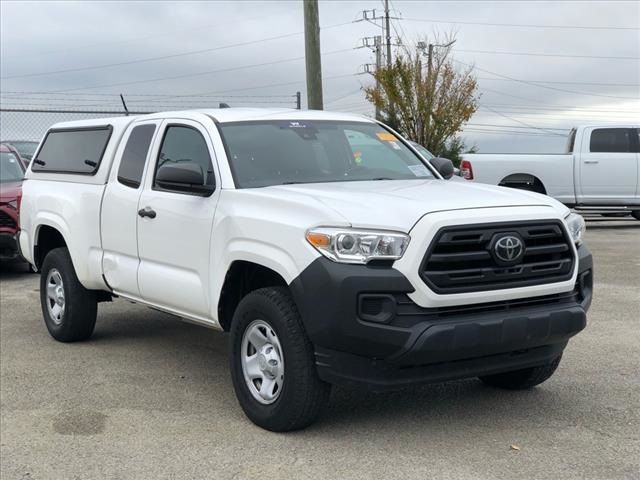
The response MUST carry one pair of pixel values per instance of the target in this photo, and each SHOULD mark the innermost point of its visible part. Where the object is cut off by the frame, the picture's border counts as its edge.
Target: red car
(11, 176)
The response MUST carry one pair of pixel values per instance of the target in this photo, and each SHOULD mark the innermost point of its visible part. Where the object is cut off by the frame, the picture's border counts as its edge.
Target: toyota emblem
(508, 249)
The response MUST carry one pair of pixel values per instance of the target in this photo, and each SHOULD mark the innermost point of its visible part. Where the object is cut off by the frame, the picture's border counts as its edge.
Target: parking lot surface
(150, 397)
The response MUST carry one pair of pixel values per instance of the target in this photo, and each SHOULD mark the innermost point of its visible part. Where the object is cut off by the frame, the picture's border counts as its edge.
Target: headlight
(344, 245)
(576, 226)
(13, 204)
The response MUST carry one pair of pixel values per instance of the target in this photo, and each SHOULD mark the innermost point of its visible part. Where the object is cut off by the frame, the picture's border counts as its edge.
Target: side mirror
(185, 178)
(444, 166)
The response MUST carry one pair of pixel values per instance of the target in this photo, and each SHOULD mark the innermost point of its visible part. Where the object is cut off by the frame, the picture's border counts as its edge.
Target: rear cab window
(72, 150)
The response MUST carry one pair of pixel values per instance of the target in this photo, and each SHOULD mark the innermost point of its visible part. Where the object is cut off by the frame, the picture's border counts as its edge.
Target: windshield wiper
(382, 178)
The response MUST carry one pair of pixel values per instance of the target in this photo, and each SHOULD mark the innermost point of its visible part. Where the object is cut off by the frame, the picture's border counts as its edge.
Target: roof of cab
(222, 115)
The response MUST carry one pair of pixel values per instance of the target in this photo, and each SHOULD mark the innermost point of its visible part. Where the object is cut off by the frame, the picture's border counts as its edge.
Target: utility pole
(312, 55)
(378, 47)
(387, 31)
(429, 57)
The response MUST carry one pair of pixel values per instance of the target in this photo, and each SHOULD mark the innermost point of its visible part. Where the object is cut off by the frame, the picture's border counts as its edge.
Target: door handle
(147, 212)
(591, 162)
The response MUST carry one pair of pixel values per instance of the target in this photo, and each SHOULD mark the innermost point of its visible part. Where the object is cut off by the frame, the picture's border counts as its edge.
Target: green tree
(431, 98)
(453, 150)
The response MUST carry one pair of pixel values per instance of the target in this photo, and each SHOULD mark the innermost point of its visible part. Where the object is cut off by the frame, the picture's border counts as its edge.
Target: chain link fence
(31, 124)
(27, 118)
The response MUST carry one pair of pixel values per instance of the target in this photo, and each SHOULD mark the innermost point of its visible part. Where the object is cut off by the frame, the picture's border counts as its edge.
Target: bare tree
(431, 98)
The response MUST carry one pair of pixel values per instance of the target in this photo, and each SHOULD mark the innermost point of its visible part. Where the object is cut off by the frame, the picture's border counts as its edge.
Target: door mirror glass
(444, 166)
(185, 178)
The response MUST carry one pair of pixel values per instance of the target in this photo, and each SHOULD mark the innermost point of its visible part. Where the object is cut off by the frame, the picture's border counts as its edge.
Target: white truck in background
(600, 170)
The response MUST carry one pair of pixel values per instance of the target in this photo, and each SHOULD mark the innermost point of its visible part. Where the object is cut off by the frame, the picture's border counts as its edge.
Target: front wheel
(272, 363)
(636, 214)
(523, 379)
(69, 309)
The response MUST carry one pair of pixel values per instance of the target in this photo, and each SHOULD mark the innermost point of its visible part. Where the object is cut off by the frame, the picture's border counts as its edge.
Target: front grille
(462, 259)
(6, 221)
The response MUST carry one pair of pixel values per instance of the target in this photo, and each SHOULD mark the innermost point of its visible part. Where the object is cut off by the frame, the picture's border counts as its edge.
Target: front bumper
(367, 331)
(9, 247)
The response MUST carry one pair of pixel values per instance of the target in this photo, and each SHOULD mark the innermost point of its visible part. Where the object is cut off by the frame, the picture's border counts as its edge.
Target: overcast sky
(227, 51)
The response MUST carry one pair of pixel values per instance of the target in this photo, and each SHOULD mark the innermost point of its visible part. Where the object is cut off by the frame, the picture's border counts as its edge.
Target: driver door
(174, 242)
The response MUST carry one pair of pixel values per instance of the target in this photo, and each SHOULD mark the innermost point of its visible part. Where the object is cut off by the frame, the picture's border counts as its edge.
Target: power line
(518, 121)
(523, 25)
(571, 83)
(341, 97)
(135, 40)
(540, 86)
(281, 84)
(163, 57)
(17, 93)
(556, 55)
(149, 59)
(505, 132)
(190, 75)
(558, 107)
(516, 126)
(573, 118)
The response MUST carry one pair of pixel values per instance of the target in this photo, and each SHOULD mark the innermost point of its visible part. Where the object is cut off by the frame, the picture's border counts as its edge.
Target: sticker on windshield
(386, 136)
(419, 170)
(395, 145)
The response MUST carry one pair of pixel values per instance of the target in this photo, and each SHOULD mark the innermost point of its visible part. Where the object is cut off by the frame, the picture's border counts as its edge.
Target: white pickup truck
(600, 170)
(330, 250)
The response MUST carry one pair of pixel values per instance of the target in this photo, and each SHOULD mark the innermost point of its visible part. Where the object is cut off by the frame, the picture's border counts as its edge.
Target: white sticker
(419, 170)
(395, 145)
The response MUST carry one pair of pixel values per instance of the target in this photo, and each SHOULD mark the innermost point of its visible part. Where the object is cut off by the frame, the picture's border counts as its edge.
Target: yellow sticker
(386, 136)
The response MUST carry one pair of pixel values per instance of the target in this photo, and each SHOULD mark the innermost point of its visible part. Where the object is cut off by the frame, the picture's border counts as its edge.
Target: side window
(185, 145)
(135, 155)
(612, 140)
(571, 141)
(77, 150)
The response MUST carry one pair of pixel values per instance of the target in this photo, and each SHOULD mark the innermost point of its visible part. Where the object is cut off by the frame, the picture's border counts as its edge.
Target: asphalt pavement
(150, 397)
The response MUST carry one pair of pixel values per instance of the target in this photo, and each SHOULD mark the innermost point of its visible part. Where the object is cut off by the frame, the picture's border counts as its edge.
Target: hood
(9, 191)
(399, 204)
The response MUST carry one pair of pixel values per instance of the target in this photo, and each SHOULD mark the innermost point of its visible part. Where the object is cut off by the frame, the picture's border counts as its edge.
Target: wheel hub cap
(55, 296)
(262, 362)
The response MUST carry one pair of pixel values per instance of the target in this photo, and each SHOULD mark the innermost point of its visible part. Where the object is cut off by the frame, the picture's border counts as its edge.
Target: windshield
(25, 148)
(264, 153)
(422, 151)
(10, 168)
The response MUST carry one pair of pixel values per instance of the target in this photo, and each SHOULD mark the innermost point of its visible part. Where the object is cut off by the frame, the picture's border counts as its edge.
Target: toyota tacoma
(328, 248)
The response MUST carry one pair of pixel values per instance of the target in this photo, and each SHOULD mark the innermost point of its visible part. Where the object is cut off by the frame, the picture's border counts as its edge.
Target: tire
(535, 187)
(636, 214)
(300, 396)
(74, 318)
(522, 379)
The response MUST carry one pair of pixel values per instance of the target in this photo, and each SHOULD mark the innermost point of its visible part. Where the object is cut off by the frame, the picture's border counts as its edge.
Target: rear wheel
(69, 309)
(636, 214)
(272, 363)
(523, 379)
